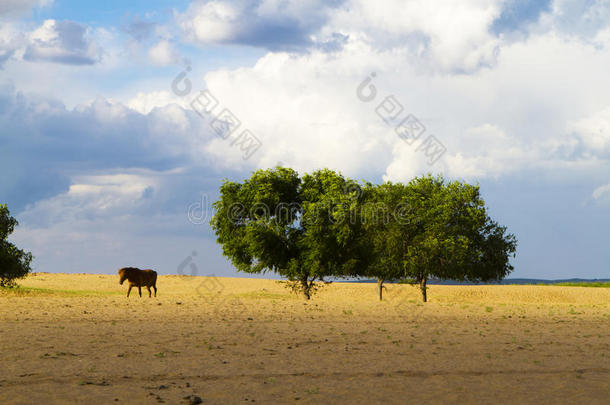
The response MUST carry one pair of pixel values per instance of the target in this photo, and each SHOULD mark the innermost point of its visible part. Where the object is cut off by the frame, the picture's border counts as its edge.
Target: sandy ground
(227, 340)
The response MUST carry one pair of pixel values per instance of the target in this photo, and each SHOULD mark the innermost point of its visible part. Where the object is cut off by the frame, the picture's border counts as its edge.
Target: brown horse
(138, 278)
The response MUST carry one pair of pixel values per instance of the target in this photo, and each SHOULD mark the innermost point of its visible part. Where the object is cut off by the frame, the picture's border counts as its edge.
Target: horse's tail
(154, 278)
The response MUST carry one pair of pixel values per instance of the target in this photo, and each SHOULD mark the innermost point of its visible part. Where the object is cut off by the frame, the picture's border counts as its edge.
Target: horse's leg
(149, 293)
(129, 290)
(155, 287)
(140, 290)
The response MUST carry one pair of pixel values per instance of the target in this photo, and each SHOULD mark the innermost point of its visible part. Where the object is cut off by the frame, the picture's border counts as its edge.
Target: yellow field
(77, 338)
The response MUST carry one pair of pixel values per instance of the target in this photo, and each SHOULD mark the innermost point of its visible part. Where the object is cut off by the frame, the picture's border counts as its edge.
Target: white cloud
(593, 133)
(146, 102)
(602, 193)
(94, 196)
(484, 151)
(11, 39)
(497, 113)
(452, 36)
(62, 42)
(16, 7)
(211, 21)
(163, 54)
(271, 24)
(495, 122)
(446, 36)
(582, 18)
(304, 110)
(47, 145)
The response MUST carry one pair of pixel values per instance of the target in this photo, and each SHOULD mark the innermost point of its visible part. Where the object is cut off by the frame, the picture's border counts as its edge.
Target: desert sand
(76, 338)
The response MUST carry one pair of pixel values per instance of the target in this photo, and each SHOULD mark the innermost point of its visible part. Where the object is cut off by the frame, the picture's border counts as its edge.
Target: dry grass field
(77, 338)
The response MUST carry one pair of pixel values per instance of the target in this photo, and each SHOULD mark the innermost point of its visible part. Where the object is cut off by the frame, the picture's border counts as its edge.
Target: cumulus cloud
(65, 42)
(16, 7)
(163, 53)
(498, 122)
(446, 37)
(151, 42)
(582, 18)
(46, 144)
(10, 41)
(496, 113)
(484, 151)
(144, 103)
(593, 135)
(452, 36)
(276, 25)
(93, 197)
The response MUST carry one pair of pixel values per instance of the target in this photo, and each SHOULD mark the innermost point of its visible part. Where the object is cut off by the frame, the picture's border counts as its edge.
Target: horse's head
(123, 273)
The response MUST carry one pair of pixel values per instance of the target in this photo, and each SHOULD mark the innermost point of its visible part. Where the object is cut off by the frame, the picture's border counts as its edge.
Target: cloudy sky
(108, 139)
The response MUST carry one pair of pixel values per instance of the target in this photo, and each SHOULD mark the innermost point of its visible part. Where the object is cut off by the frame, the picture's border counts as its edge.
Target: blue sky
(101, 160)
(109, 12)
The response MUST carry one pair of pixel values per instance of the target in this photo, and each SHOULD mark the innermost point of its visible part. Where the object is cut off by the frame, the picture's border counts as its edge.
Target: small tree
(275, 221)
(14, 263)
(385, 215)
(454, 237)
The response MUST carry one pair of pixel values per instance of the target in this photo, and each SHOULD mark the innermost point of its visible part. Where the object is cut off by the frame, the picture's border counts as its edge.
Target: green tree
(388, 230)
(297, 228)
(454, 237)
(14, 263)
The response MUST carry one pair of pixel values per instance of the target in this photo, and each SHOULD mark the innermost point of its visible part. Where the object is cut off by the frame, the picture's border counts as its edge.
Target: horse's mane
(130, 269)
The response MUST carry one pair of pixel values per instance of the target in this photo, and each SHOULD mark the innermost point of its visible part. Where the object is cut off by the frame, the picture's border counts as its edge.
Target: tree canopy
(453, 236)
(14, 262)
(324, 225)
(276, 221)
(387, 231)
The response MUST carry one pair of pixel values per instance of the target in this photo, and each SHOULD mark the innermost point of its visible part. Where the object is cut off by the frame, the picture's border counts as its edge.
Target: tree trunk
(380, 287)
(422, 285)
(306, 289)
